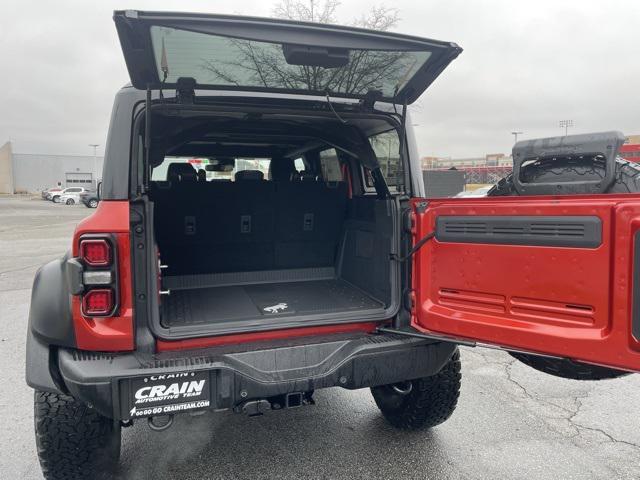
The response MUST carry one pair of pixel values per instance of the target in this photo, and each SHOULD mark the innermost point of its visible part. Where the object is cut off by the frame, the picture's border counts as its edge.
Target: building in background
(477, 170)
(30, 173)
(631, 148)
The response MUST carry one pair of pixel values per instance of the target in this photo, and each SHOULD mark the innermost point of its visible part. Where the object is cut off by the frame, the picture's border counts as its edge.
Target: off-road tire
(74, 441)
(627, 175)
(627, 180)
(430, 401)
(566, 368)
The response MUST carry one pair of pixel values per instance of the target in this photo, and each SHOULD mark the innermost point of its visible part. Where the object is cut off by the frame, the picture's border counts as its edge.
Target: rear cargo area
(254, 252)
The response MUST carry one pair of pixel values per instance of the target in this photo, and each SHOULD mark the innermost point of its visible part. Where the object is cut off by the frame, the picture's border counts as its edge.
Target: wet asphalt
(511, 421)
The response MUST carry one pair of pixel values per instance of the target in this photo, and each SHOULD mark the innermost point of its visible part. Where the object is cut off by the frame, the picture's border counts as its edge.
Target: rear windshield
(224, 61)
(200, 164)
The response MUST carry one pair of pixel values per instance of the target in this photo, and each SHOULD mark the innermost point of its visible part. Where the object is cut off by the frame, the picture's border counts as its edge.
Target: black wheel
(627, 181)
(74, 441)
(93, 203)
(70, 201)
(422, 403)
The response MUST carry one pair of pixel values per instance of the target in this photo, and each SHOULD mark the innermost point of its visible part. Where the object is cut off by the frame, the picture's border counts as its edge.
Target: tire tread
(72, 440)
(431, 401)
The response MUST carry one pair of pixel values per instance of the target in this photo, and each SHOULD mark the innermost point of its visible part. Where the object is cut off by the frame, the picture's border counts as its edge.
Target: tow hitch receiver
(254, 408)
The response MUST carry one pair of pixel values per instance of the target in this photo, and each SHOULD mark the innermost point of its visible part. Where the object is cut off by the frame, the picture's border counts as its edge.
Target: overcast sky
(525, 66)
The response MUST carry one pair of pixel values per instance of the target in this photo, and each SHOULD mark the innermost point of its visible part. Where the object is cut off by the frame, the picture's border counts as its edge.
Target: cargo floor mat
(242, 302)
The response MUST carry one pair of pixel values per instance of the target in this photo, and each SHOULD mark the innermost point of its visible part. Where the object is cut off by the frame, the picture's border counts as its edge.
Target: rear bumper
(108, 382)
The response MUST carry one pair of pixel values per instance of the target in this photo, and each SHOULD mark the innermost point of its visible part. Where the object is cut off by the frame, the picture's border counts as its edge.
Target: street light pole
(95, 165)
(515, 136)
(566, 124)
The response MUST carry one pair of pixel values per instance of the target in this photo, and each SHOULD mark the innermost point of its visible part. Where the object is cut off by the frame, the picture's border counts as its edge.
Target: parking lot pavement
(511, 422)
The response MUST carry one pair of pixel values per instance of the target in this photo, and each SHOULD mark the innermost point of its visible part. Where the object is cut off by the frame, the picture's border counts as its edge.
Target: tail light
(99, 276)
(98, 302)
(96, 252)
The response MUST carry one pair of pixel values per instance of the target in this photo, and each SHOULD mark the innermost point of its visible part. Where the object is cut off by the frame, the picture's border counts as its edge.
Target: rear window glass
(224, 61)
(387, 149)
(330, 166)
(160, 172)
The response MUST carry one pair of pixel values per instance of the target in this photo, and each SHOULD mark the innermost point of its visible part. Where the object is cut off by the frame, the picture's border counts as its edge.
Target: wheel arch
(50, 326)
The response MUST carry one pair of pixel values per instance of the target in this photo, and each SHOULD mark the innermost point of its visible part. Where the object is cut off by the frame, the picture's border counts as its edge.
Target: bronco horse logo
(276, 308)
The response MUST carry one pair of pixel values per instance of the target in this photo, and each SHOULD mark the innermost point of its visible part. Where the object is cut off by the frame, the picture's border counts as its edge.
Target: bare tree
(264, 64)
(380, 17)
(309, 11)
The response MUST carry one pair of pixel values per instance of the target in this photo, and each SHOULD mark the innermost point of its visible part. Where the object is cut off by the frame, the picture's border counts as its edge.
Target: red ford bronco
(263, 232)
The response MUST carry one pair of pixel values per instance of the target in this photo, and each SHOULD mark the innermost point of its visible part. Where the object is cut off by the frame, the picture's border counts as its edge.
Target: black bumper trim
(104, 381)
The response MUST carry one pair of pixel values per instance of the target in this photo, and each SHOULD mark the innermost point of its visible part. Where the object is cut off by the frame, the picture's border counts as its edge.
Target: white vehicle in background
(48, 194)
(478, 192)
(71, 193)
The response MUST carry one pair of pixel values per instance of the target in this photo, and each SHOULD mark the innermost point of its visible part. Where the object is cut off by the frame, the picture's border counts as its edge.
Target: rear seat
(240, 223)
(309, 218)
(249, 224)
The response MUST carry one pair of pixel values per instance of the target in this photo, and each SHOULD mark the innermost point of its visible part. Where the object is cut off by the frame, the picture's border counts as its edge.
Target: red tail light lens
(98, 302)
(96, 252)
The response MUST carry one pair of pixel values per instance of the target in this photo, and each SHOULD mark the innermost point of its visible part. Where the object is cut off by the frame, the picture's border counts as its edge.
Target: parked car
(334, 269)
(90, 198)
(48, 194)
(69, 199)
(70, 192)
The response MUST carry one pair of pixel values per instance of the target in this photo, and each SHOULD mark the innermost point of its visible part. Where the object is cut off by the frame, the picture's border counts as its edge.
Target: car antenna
(164, 66)
(342, 120)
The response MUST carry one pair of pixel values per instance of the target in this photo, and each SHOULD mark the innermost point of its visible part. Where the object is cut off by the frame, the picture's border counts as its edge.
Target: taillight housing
(86, 271)
(96, 252)
(98, 257)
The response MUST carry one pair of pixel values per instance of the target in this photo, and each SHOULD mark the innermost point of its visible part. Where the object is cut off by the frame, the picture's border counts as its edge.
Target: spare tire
(627, 180)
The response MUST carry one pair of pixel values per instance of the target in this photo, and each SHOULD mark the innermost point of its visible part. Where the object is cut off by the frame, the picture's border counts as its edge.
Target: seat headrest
(243, 175)
(282, 169)
(181, 172)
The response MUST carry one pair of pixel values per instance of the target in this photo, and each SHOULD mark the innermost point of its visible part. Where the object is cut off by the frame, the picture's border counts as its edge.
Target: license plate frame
(167, 394)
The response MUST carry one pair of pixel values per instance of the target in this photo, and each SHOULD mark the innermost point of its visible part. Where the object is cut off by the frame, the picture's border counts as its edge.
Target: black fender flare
(50, 325)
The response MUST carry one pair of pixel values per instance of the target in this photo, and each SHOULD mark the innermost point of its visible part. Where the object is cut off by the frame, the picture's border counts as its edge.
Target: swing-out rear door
(551, 275)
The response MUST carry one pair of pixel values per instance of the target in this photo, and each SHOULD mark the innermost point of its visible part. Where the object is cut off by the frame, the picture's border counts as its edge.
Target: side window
(387, 148)
(330, 166)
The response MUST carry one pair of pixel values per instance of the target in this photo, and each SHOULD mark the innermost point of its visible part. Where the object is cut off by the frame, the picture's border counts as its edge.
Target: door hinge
(410, 300)
(409, 220)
